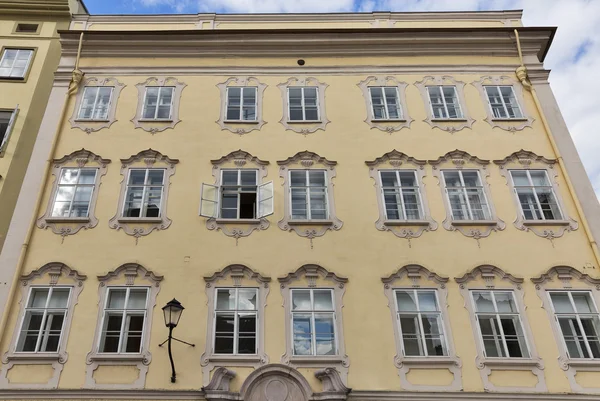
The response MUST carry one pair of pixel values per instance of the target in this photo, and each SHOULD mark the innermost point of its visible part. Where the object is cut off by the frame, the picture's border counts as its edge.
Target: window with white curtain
(536, 195)
(124, 319)
(401, 195)
(95, 103)
(14, 63)
(577, 316)
(444, 101)
(503, 102)
(303, 103)
(309, 194)
(74, 192)
(158, 103)
(45, 314)
(313, 322)
(241, 103)
(466, 195)
(499, 324)
(236, 315)
(420, 321)
(385, 103)
(143, 196)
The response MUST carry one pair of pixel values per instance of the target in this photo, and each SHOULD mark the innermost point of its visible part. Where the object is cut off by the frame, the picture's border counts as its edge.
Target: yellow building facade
(377, 206)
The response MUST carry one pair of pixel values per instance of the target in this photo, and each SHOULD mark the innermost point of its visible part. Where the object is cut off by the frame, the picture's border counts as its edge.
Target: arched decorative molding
(154, 126)
(54, 275)
(420, 277)
(127, 275)
(242, 127)
(449, 125)
(141, 226)
(461, 160)
(236, 276)
(526, 160)
(308, 228)
(567, 278)
(304, 127)
(472, 281)
(507, 124)
(390, 125)
(408, 229)
(90, 125)
(315, 276)
(238, 228)
(219, 383)
(65, 226)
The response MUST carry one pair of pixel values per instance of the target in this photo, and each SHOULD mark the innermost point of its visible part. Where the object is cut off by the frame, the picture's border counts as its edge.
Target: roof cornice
(50, 8)
(310, 42)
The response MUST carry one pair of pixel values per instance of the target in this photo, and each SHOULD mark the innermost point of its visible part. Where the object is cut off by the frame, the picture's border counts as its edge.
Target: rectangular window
(236, 314)
(143, 197)
(420, 320)
(503, 102)
(385, 102)
(74, 192)
(95, 103)
(309, 194)
(27, 28)
(15, 63)
(7, 120)
(536, 195)
(499, 324)
(401, 195)
(239, 194)
(123, 321)
(444, 102)
(466, 195)
(241, 103)
(313, 322)
(158, 103)
(303, 103)
(579, 322)
(42, 324)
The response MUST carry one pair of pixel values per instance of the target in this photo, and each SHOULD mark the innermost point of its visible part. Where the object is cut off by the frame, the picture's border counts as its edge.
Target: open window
(7, 122)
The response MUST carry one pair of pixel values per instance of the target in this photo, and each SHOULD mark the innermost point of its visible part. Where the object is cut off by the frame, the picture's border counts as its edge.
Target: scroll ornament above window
(238, 202)
(385, 98)
(241, 105)
(72, 202)
(540, 207)
(303, 105)
(158, 104)
(96, 104)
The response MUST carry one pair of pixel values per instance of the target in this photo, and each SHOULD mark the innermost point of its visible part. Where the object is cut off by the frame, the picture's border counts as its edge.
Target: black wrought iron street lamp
(172, 312)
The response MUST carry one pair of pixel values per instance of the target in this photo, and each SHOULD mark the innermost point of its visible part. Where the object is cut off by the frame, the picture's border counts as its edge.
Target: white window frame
(25, 70)
(236, 312)
(440, 88)
(514, 95)
(241, 106)
(76, 185)
(124, 320)
(312, 311)
(45, 309)
(239, 185)
(9, 128)
(160, 90)
(466, 195)
(307, 187)
(316, 88)
(535, 195)
(108, 106)
(418, 312)
(400, 194)
(145, 186)
(385, 102)
(497, 315)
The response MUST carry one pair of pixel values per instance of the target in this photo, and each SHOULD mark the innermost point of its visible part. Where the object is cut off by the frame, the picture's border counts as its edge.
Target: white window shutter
(209, 201)
(11, 123)
(265, 200)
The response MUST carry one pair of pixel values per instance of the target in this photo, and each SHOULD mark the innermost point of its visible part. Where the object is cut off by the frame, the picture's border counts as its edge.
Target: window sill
(406, 222)
(445, 120)
(67, 220)
(310, 222)
(310, 360)
(241, 122)
(153, 120)
(390, 120)
(443, 361)
(508, 362)
(90, 120)
(474, 222)
(510, 119)
(238, 221)
(117, 358)
(140, 220)
(216, 358)
(305, 122)
(546, 222)
(583, 363)
(34, 357)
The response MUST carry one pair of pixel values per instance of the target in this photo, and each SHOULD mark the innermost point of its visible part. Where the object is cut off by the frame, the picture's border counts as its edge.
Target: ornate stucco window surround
(126, 278)
(416, 277)
(242, 125)
(461, 162)
(569, 279)
(235, 277)
(73, 165)
(398, 162)
(488, 86)
(212, 203)
(391, 123)
(93, 111)
(307, 124)
(143, 225)
(315, 277)
(310, 227)
(486, 278)
(525, 163)
(158, 123)
(448, 123)
(51, 277)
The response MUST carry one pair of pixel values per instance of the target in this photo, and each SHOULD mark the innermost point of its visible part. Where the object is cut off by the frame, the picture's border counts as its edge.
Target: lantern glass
(172, 312)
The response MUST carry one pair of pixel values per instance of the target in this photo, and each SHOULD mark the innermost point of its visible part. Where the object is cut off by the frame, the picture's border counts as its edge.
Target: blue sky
(574, 57)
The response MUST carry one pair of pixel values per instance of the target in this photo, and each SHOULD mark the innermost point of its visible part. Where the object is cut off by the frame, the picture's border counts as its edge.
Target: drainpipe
(77, 76)
(522, 76)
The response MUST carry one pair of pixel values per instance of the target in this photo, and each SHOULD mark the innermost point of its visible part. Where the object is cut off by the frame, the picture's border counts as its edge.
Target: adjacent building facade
(349, 206)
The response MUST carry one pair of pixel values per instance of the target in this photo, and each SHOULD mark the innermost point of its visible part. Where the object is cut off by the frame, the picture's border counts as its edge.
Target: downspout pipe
(76, 78)
(523, 77)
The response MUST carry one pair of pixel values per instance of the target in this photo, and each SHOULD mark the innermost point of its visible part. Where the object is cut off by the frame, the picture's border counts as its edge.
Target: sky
(574, 57)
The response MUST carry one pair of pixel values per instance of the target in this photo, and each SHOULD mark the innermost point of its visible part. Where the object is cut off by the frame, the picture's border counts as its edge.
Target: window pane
(224, 333)
(116, 299)
(406, 301)
(151, 102)
(389, 178)
(133, 337)
(427, 301)
(378, 104)
(513, 334)
(247, 334)
(87, 176)
(519, 178)
(87, 102)
(38, 297)
(591, 330)
(247, 299)
(155, 176)
(318, 204)
(302, 331)
(301, 300)
(28, 337)
(164, 106)
(225, 299)
(452, 179)
(52, 331)
(573, 338)
(483, 302)
(137, 177)
(298, 178)
(471, 179)
(137, 299)
(299, 204)
(248, 177)
(59, 298)
(505, 302)
(324, 334)
(490, 333)
(322, 299)
(112, 330)
(561, 302)
(539, 178)
(411, 336)
(583, 302)
(316, 178)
